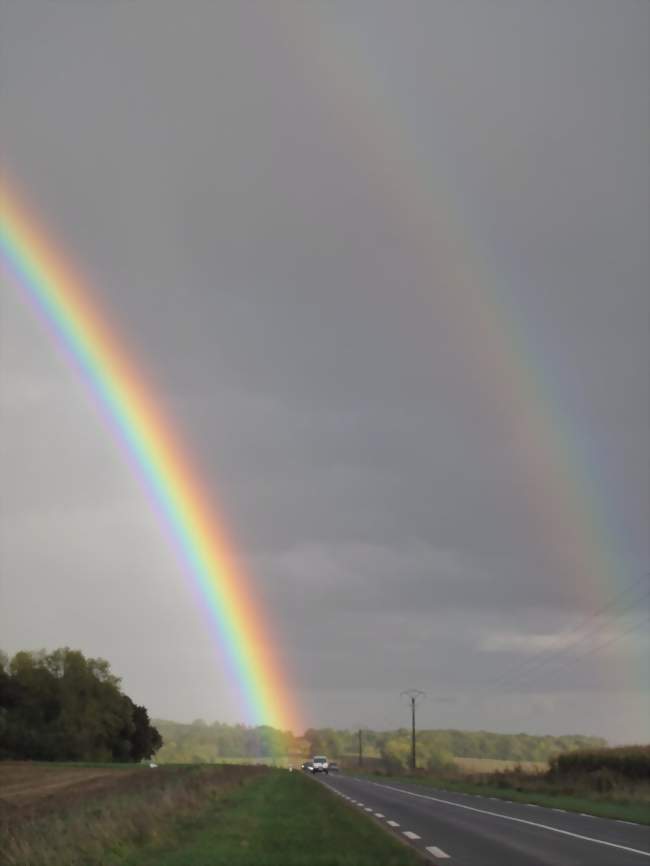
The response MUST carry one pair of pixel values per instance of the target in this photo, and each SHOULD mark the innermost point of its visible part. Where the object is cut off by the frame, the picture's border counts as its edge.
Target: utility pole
(413, 695)
(361, 747)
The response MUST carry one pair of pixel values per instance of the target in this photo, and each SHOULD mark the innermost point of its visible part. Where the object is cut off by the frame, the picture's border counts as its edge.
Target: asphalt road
(469, 830)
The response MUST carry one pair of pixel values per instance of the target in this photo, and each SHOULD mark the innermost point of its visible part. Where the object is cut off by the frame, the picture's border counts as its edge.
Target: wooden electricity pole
(413, 695)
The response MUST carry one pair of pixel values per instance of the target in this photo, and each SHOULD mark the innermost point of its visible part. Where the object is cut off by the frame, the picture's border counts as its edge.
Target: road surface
(468, 830)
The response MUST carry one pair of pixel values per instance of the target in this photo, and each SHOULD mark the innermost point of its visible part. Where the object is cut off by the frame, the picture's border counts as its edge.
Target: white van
(320, 764)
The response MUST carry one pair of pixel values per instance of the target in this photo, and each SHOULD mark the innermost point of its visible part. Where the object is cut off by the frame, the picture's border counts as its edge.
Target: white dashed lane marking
(437, 852)
(432, 849)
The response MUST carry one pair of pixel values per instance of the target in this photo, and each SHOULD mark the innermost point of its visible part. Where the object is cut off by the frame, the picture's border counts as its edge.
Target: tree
(145, 740)
(63, 706)
(396, 752)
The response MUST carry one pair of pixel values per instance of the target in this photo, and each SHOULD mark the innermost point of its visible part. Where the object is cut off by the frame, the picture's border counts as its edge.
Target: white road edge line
(410, 834)
(393, 823)
(378, 815)
(367, 809)
(516, 820)
(437, 852)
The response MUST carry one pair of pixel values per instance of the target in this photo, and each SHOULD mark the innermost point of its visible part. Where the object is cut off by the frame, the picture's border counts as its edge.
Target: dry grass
(491, 765)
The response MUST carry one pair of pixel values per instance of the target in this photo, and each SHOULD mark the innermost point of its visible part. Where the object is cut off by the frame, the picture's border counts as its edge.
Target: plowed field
(37, 788)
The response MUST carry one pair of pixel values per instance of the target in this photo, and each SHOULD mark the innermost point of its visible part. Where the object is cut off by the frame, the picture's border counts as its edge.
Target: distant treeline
(61, 706)
(202, 742)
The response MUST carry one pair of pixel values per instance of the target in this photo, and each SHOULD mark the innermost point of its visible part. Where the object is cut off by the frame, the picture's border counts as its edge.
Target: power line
(633, 627)
(559, 652)
(542, 656)
(612, 640)
(582, 624)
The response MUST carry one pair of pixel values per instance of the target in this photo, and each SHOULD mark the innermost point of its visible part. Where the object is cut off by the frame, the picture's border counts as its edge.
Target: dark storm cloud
(241, 232)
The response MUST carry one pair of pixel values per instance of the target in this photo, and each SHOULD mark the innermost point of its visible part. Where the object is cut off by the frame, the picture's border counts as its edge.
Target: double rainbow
(32, 262)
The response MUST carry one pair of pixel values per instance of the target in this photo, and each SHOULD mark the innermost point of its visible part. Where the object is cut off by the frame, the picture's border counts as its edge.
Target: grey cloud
(247, 235)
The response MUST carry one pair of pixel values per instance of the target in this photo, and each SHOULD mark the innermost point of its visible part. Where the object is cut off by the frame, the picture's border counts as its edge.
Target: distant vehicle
(333, 767)
(307, 767)
(320, 764)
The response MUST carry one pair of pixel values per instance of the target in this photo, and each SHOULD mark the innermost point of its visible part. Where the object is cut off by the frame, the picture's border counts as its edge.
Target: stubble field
(31, 788)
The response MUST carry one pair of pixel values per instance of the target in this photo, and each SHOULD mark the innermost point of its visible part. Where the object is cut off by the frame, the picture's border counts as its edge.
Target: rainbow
(32, 262)
(496, 345)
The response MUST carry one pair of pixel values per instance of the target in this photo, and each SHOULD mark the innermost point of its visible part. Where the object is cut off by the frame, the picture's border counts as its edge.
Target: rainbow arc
(32, 261)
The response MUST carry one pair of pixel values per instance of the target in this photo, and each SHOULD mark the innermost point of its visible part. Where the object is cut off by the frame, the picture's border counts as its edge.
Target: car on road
(307, 767)
(320, 764)
(333, 767)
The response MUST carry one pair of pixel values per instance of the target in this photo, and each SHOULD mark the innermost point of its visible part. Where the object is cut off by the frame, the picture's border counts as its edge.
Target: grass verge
(623, 809)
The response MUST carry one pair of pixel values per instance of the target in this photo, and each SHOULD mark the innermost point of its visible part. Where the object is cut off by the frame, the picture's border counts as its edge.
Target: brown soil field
(29, 789)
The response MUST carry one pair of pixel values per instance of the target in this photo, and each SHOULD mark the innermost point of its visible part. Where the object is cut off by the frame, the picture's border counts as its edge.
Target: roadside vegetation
(183, 816)
(609, 783)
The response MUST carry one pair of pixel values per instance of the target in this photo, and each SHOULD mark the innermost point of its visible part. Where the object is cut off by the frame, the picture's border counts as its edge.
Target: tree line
(204, 742)
(61, 706)
(200, 742)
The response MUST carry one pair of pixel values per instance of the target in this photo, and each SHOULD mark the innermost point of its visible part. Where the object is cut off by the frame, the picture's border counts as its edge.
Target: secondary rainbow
(32, 261)
(496, 345)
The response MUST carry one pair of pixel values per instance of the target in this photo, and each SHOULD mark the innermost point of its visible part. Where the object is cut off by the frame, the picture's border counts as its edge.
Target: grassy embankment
(182, 816)
(608, 783)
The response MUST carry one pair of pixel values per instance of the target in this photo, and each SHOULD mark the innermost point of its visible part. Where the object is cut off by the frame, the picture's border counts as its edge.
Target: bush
(627, 762)
(439, 760)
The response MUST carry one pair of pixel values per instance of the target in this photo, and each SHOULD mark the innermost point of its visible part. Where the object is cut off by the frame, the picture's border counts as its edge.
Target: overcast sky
(288, 207)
